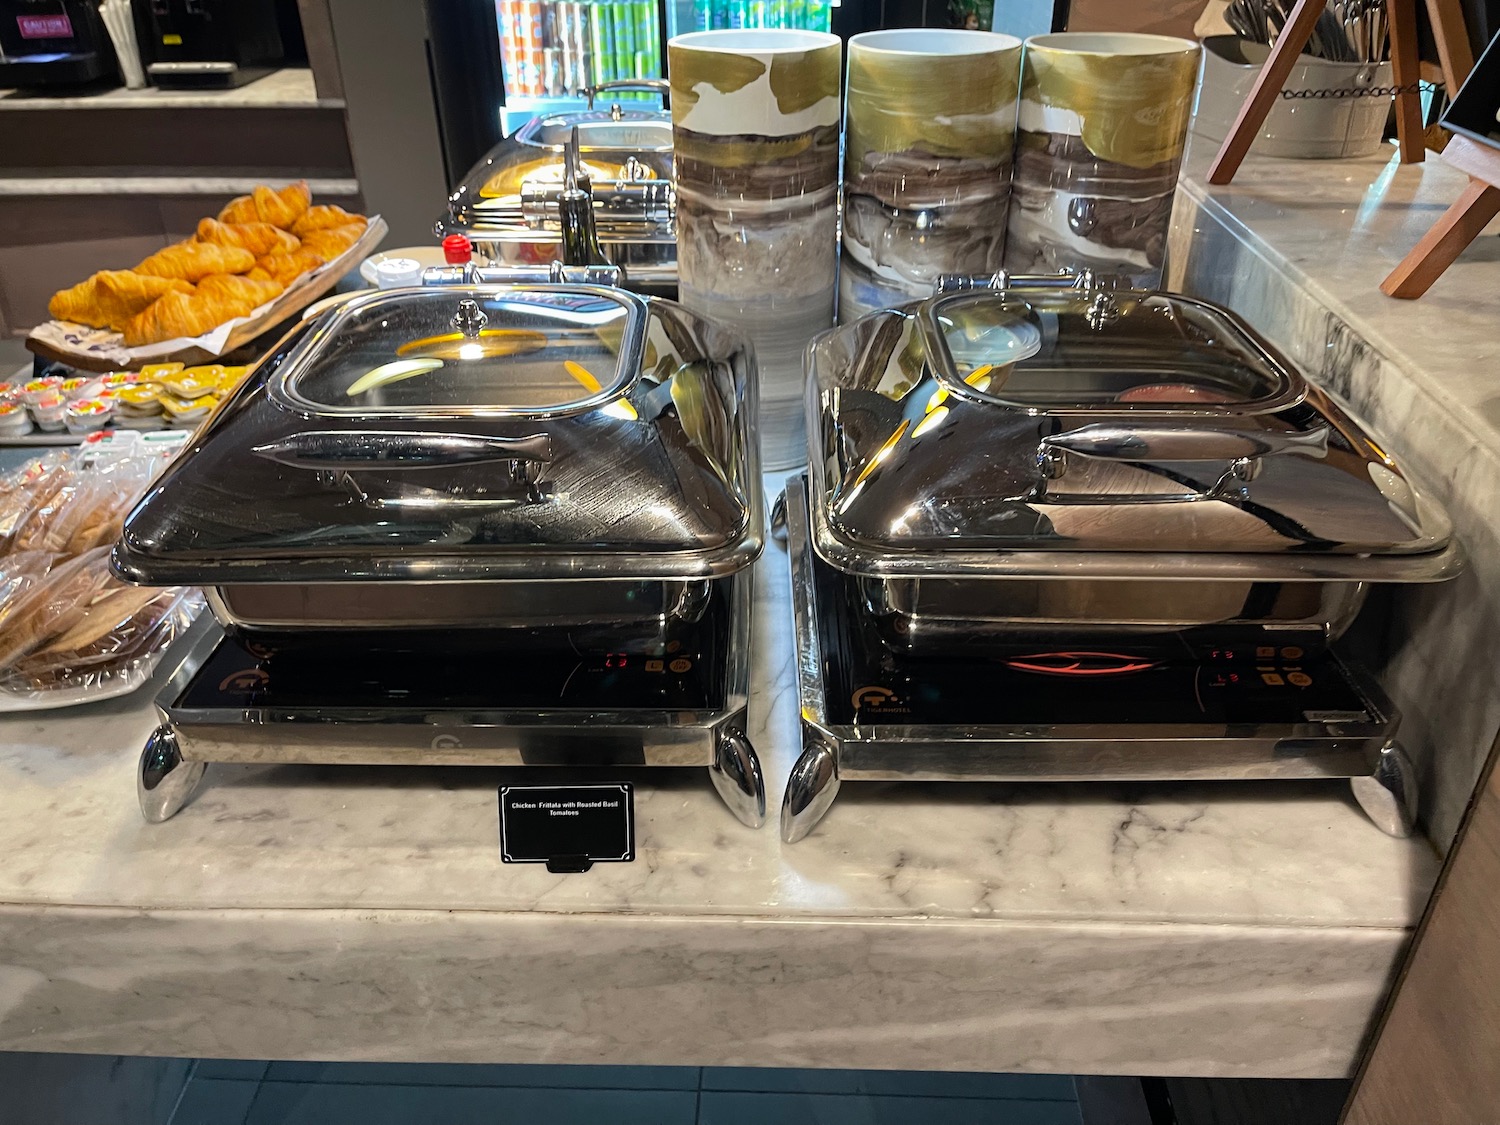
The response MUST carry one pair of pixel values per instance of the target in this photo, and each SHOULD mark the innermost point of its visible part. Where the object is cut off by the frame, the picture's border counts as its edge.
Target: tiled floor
(255, 1093)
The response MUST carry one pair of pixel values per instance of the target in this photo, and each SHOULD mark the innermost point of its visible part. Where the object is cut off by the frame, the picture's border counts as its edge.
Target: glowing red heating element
(1080, 663)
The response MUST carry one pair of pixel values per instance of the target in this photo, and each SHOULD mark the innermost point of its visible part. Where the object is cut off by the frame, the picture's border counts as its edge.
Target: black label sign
(567, 827)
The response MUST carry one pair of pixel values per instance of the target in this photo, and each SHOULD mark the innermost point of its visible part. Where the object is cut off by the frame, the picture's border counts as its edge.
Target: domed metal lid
(1069, 428)
(470, 432)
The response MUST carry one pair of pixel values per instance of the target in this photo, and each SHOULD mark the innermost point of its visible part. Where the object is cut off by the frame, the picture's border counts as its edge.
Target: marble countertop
(288, 88)
(1338, 227)
(1235, 902)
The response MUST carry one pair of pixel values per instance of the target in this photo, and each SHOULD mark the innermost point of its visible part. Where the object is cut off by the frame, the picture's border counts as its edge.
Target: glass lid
(1065, 352)
(439, 352)
(1064, 431)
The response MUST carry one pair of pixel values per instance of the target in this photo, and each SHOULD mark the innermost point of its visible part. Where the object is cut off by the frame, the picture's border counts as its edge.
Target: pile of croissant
(259, 245)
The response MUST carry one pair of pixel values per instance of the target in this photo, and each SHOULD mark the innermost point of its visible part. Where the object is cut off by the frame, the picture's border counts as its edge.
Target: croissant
(173, 315)
(334, 241)
(282, 208)
(324, 216)
(240, 209)
(111, 297)
(287, 268)
(242, 293)
(258, 238)
(194, 260)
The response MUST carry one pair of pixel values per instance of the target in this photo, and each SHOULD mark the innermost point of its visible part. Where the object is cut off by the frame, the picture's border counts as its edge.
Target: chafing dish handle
(552, 273)
(1241, 450)
(645, 85)
(1109, 441)
(347, 450)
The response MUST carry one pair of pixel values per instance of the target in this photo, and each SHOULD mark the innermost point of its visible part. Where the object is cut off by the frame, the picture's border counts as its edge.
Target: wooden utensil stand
(1453, 50)
(1460, 225)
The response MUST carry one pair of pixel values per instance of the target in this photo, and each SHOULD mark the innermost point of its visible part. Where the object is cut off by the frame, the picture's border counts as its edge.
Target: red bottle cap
(457, 250)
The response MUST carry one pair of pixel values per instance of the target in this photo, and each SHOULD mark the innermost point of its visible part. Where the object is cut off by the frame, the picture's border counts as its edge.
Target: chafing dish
(1061, 454)
(510, 205)
(562, 477)
(1057, 528)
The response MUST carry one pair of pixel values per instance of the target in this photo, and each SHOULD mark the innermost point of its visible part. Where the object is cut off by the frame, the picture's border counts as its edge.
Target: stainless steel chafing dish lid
(1082, 431)
(626, 155)
(470, 433)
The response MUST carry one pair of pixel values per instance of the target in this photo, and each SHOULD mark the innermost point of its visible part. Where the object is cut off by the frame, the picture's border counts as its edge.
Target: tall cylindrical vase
(1103, 122)
(755, 126)
(929, 136)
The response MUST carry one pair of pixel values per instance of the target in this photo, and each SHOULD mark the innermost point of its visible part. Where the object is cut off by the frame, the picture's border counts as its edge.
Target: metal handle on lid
(1103, 310)
(1112, 441)
(1242, 450)
(552, 273)
(1086, 280)
(348, 450)
(644, 85)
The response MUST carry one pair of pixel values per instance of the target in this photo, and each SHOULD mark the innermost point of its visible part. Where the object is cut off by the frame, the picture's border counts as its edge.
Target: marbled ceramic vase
(929, 137)
(1103, 122)
(755, 126)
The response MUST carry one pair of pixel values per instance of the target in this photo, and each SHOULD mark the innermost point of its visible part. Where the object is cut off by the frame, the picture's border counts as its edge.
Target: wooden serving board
(289, 304)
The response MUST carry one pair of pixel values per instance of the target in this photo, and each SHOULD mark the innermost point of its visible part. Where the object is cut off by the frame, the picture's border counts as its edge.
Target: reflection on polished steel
(778, 518)
(1389, 793)
(927, 422)
(736, 775)
(931, 613)
(810, 790)
(1348, 746)
(165, 782)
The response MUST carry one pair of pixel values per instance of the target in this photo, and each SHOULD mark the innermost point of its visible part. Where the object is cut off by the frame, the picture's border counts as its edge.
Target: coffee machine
(208, 43)
(48, 43)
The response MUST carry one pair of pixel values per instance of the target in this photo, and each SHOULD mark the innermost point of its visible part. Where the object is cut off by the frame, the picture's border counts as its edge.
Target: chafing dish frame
(177, 754)
(1381, 775)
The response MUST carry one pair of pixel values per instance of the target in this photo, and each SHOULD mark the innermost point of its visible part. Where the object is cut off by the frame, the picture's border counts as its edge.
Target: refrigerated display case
(496, 64)
(553, 50)
(714, 15)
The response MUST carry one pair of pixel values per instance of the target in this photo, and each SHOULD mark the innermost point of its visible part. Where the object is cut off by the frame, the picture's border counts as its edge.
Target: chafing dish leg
(778, 518)
(813, 785)
(165, 782)
(736, 775)
(1389, 794)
